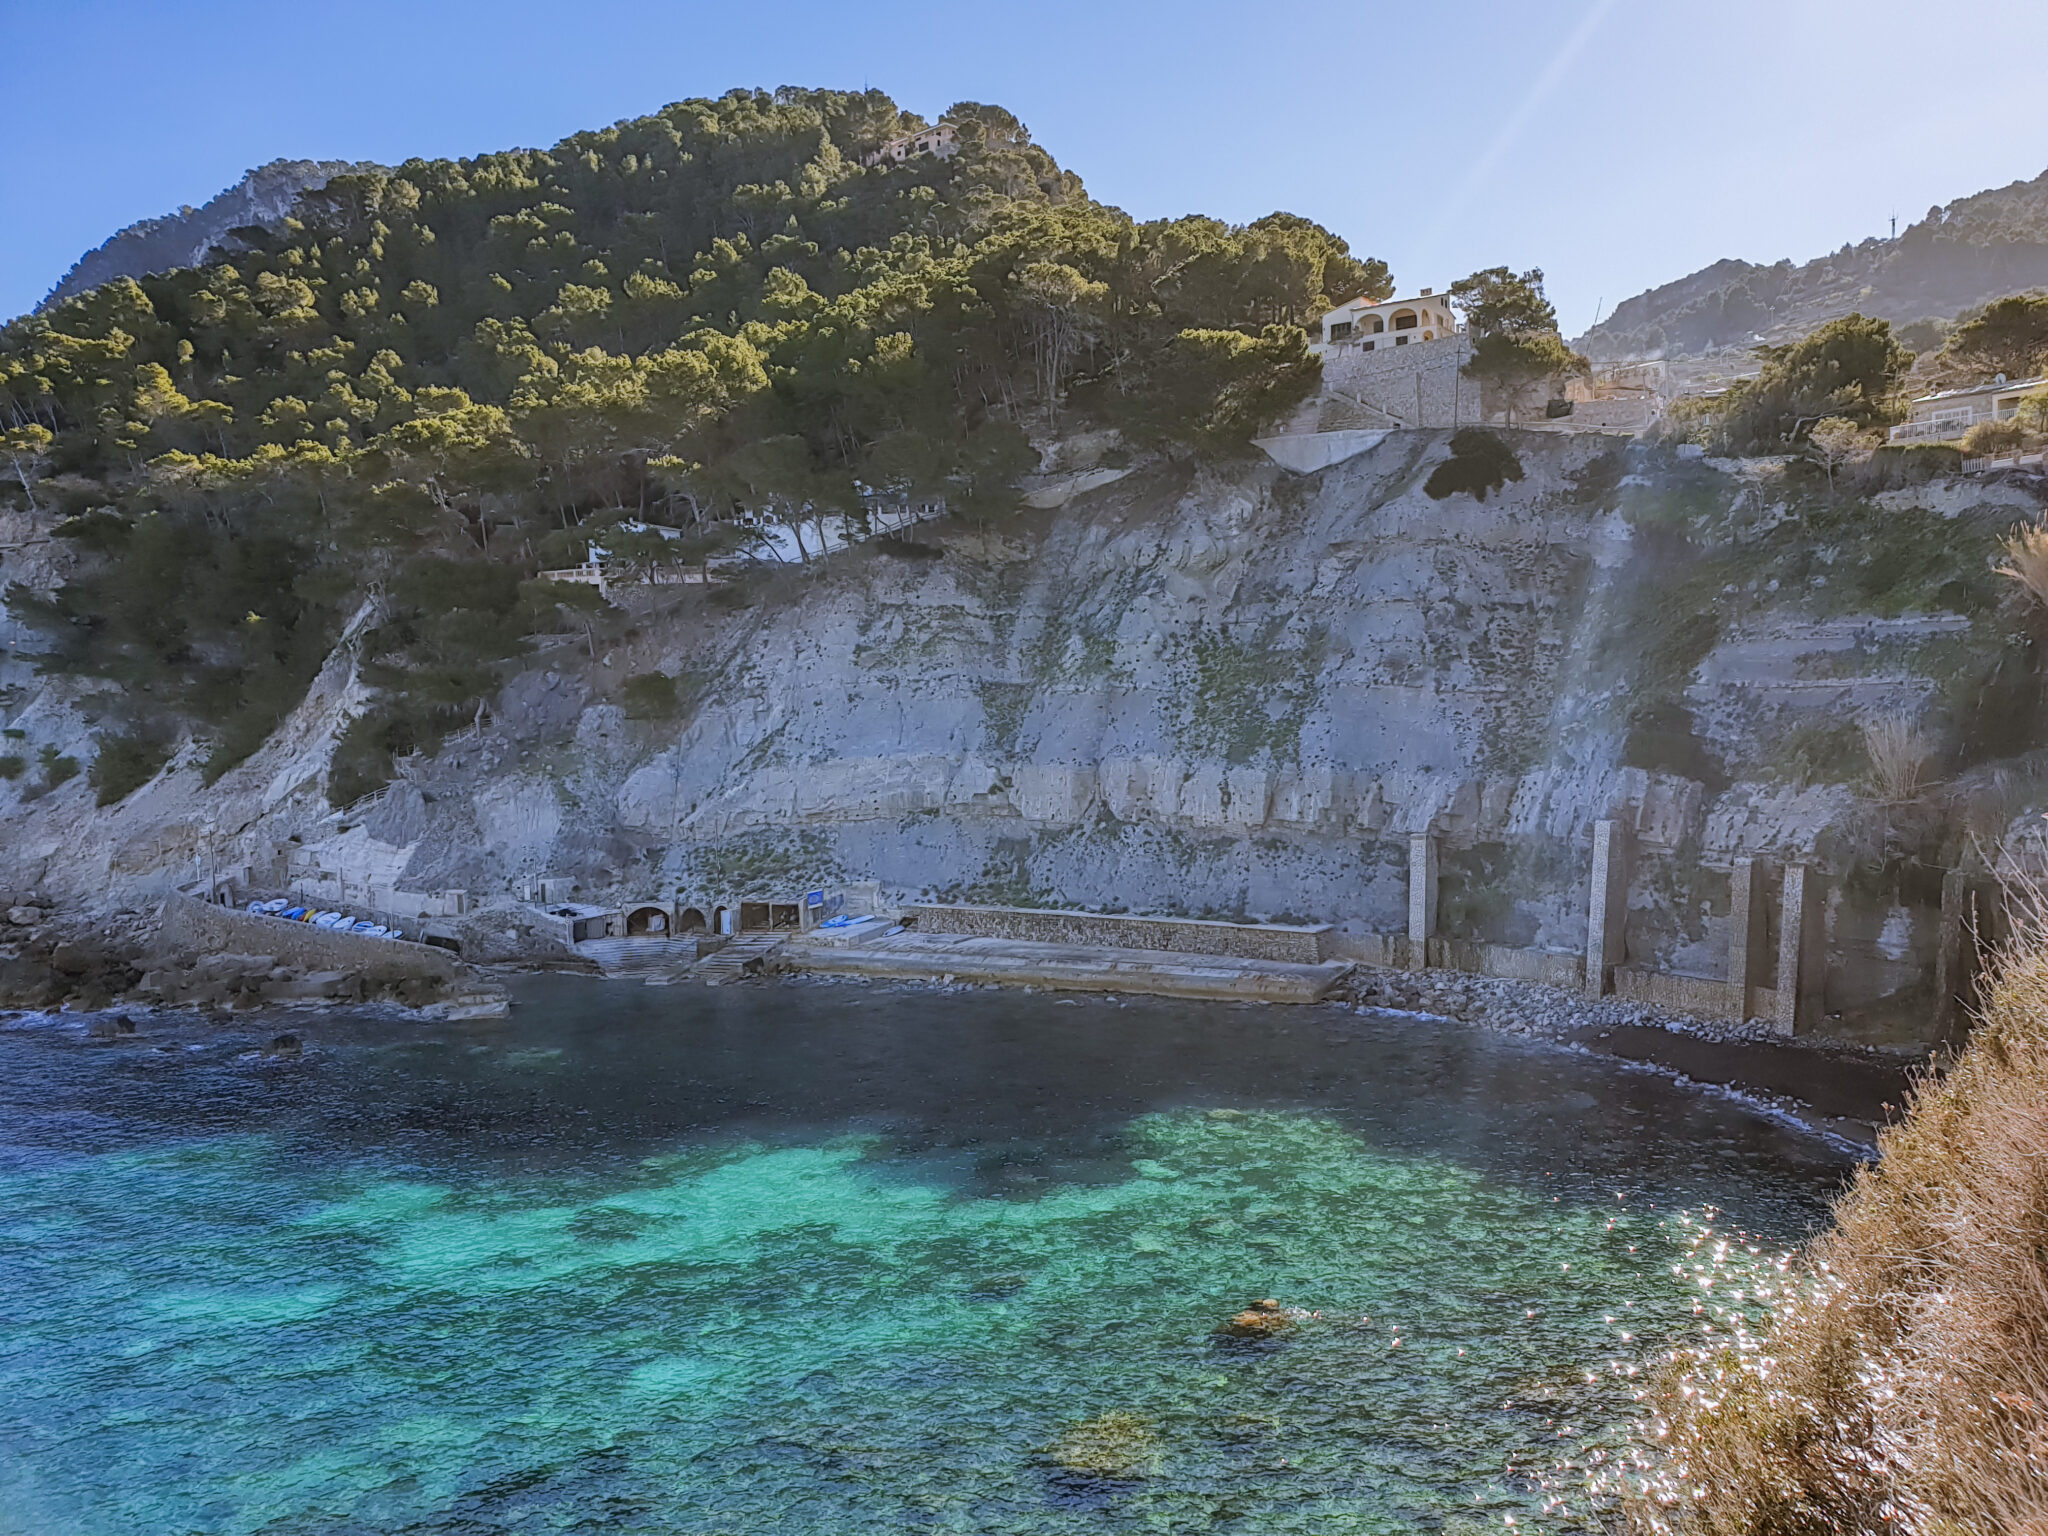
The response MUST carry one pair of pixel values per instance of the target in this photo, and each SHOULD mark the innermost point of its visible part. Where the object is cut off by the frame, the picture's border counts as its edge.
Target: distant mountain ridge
(1974, 250)
(182, 239)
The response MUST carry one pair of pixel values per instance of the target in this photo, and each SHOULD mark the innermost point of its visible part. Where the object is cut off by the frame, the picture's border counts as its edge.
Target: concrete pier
(1422, 893)
(949, 957)
(1801, 962)
(1607, 906)
(1746, 901)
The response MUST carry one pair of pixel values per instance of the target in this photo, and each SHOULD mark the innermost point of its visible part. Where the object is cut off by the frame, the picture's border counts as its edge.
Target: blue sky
(1614, 143)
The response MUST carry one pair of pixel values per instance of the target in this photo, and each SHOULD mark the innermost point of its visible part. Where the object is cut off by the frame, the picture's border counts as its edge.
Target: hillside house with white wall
(939, 139)
(1946, 416)
(1392, 323)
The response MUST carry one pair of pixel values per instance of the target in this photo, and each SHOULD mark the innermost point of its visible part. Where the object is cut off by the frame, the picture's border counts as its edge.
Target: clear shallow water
(823, 1259)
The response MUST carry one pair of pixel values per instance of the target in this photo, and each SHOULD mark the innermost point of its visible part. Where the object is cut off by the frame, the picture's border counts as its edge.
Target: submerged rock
(1116, 1446)
(1264, 1319)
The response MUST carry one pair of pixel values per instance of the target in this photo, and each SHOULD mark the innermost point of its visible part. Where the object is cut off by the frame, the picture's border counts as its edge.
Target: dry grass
(2026, 559)
(1905, 1387)
(1898, 756)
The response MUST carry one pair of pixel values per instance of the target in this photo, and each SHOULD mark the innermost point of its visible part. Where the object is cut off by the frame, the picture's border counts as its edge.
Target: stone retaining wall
(1550, 967)
(1188, 936)
(197, 925)
(1703, 997)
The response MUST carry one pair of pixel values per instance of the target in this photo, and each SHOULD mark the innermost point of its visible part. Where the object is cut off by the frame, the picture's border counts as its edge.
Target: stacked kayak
(288, 911)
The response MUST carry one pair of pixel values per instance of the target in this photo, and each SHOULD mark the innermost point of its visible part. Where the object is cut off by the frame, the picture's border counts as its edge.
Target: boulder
(1261, 1320)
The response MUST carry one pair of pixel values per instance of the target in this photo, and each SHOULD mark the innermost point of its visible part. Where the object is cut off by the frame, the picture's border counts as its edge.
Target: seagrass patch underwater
(820, 1259)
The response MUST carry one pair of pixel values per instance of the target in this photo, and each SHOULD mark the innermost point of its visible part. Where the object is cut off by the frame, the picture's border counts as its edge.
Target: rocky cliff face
(184, 238)
(1227, 691)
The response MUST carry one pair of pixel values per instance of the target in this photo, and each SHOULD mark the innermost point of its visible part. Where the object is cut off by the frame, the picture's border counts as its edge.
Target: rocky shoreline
(1843, 1090)
(53, 961)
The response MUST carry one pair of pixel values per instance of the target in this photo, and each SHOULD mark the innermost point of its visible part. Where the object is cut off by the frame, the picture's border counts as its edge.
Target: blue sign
(815, 899)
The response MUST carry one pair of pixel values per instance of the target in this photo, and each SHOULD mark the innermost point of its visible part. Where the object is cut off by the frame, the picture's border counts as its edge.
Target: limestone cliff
(1223, 690)
(184, 238)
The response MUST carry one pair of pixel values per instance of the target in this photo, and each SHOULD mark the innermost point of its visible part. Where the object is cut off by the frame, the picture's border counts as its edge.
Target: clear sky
(1614, 143)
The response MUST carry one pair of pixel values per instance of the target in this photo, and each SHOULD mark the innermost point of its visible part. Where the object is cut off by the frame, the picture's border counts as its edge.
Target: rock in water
(1117, 1446)
(1264, 1319)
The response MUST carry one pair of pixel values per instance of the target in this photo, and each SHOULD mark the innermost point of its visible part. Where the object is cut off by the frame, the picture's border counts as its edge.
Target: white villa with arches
(939, 140)
(1392, 323)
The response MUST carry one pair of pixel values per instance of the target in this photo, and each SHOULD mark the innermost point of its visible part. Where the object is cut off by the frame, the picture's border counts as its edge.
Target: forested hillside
(431, 383)
(1972, 251)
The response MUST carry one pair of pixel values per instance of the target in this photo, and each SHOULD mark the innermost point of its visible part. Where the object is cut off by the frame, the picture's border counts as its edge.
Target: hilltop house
(1946, 416)
(1395, 322)
(936, 140)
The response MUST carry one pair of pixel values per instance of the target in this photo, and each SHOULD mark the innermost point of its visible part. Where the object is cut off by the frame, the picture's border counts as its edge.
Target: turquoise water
(807, 1259)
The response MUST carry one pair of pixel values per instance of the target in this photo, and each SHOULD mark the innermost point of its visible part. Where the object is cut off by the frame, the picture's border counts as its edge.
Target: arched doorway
(721, 920)
(647, 922)
(692, 921)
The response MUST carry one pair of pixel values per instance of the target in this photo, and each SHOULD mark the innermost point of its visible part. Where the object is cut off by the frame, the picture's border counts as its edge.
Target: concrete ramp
(1307, 452)
(1065, 967)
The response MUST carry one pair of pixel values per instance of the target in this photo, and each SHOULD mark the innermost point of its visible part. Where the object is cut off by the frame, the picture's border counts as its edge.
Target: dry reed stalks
(1906, 1389)
(2026, 559)
(1898, 756)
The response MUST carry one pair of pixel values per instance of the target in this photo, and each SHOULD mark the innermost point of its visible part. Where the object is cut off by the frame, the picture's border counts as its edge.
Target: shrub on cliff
(650, 696)
(1480, 463)
(125, 762)
(1904, 1386)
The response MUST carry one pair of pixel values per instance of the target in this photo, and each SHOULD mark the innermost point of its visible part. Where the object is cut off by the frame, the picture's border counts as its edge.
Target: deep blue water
(790, 1258)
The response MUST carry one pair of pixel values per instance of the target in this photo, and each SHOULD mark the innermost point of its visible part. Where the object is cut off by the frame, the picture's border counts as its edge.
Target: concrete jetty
(982, 960)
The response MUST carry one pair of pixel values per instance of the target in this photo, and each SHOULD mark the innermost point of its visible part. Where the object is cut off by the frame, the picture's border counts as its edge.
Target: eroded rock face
(1233, 691)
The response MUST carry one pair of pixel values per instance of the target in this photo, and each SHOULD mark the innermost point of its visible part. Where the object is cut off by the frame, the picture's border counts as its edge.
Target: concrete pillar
(1745, 936)
(1973, 922)
(1801, 957)
(1607, 906)
(1422, 886)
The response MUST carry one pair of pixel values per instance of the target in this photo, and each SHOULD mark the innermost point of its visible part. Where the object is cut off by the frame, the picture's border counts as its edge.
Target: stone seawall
(199, 926)
(1308, 945)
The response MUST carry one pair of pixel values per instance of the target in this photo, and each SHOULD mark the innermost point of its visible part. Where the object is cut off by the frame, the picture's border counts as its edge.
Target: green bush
(57, 767)
(1990, 439)
(1479, 463)
(12, 765)
(124, 763)
(364, 756)
(651, 696)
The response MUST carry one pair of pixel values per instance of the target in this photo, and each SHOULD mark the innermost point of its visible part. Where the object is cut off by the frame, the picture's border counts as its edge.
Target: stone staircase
(649, 959)
(742, 957)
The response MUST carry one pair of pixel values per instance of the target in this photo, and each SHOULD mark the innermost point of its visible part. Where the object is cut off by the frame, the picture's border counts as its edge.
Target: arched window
(1378, 325)
(1405, 320)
